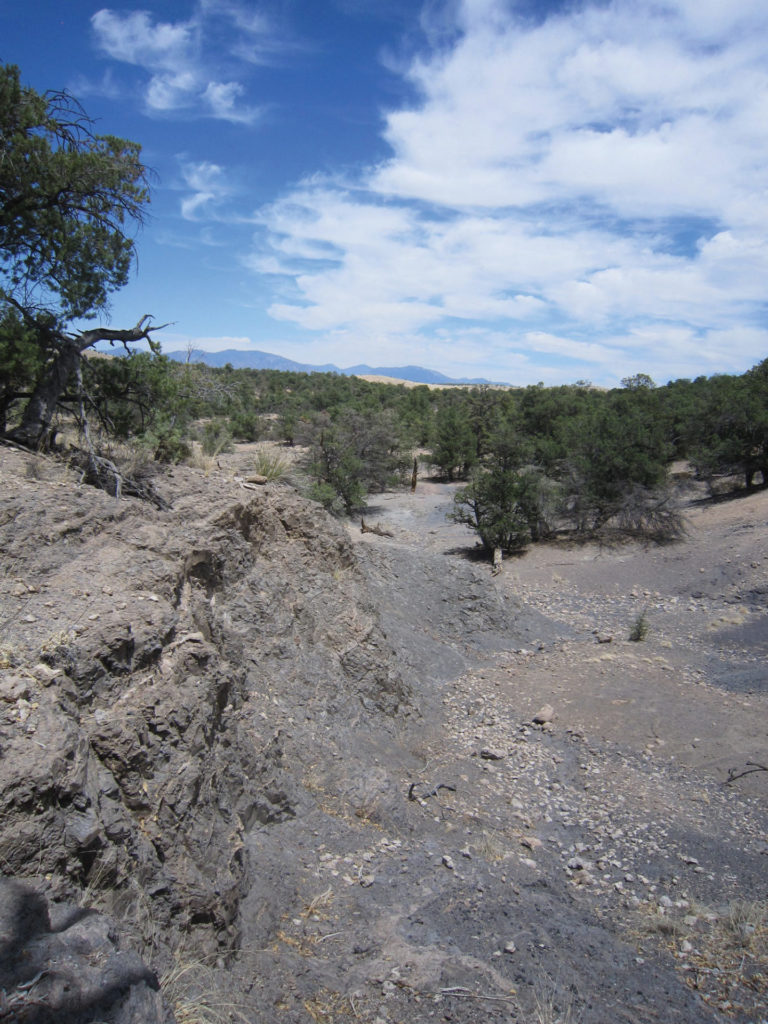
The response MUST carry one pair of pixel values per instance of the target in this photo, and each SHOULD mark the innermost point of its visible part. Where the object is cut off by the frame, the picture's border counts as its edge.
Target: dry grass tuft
(331, 1008)
(491, 847)
(195, 994)
(62, 638)
(8, 656)
(271, 465)
(722, 954)
(553, 1002)
(198, 459)
(319, 904)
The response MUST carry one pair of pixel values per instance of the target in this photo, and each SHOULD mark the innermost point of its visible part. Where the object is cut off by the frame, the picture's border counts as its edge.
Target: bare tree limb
(140, 332)
(752, 767)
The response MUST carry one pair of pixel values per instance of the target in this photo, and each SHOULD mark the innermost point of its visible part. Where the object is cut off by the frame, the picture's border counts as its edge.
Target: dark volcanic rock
(295, 769)
(138, 753)
(66, 964)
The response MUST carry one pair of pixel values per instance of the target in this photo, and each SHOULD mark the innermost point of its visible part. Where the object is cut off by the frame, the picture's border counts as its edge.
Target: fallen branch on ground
(752, 766)
(432, 792)
(103, 473)
(378, 530)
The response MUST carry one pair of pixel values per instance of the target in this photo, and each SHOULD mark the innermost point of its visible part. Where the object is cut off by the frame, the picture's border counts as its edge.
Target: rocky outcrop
(296, 770)
(137, 749)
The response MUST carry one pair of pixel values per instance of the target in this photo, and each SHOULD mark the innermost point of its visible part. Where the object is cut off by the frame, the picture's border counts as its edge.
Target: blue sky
(515, 189)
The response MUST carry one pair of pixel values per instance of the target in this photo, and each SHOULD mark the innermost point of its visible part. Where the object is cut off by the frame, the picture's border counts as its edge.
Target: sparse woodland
(534, 461)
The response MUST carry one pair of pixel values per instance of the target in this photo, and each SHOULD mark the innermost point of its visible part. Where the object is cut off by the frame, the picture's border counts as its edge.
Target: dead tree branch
(752, 766)
(378, 530)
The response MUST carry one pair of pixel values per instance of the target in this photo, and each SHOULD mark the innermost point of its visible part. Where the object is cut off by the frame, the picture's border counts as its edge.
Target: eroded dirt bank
(297, 768)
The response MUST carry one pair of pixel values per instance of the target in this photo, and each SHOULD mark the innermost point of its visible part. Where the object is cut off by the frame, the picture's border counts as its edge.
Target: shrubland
(532, 461)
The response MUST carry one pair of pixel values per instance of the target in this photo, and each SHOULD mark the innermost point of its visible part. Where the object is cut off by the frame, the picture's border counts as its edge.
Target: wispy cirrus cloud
(588, 186)
(182, 74)
(208, 187)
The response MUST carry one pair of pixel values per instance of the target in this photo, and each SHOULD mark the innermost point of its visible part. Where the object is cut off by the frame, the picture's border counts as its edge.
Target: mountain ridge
(256, 359)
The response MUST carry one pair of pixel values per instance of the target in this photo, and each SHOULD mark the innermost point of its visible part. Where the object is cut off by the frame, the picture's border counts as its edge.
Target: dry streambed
(619, 804)
(303, 768)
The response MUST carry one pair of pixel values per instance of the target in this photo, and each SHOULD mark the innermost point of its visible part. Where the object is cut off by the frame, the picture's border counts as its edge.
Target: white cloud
(589, 185)
(105, 86)
(169, 92)
(135, 39)
(181, 75)
(222, 99)
(208, 186)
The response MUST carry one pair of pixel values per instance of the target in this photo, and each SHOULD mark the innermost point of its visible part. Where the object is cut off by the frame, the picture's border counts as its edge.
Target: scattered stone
(13, 688)
(583, 877)
(448, 862)
(544, 715)
(577, 864)
(44, 673)
(531, 842)
(492, 754)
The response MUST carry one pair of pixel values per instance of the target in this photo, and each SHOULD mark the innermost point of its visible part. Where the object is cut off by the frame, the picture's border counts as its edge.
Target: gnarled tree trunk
(35, 428)
(34, 431)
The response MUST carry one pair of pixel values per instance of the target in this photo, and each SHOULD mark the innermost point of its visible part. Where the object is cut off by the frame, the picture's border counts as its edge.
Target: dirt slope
(304, 760)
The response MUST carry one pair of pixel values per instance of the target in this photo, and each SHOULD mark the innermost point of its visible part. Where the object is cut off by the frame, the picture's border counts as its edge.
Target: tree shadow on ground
(71, 972)
(737, 494)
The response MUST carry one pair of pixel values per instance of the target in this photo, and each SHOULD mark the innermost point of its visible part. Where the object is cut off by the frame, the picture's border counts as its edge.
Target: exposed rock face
(295, 769)
(144, 648)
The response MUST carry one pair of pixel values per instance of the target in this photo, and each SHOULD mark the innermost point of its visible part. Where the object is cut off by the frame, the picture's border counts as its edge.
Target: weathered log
(378, 530)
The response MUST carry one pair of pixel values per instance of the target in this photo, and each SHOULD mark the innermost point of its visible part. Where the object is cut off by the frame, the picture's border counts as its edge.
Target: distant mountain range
(255, 360)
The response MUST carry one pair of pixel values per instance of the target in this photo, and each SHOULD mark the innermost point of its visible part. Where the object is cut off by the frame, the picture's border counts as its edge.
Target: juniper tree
(70, 201)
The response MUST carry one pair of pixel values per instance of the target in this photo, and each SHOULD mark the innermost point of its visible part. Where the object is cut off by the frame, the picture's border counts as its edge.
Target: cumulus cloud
(180, 75)
(588, 185)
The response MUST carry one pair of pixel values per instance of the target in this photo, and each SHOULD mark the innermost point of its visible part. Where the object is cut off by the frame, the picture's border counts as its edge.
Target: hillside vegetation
(534, 461)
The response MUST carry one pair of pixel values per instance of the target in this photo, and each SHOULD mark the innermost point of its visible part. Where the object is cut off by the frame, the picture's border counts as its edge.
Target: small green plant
(216, 437)
(641, 628)
(271, 466)
(163, 442)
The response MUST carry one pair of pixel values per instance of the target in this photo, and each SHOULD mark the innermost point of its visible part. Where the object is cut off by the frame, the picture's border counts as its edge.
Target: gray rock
(544, 715)
(95, 978)
(492, 754)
